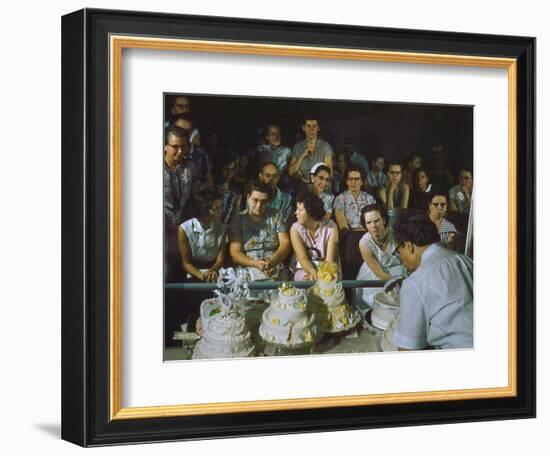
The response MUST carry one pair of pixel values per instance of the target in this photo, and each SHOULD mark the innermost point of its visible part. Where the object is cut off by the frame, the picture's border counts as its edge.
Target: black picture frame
(86, 274)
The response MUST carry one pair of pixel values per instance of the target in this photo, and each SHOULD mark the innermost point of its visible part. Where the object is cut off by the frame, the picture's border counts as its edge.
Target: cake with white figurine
(328, 299)
(287, 321)
(224, 329)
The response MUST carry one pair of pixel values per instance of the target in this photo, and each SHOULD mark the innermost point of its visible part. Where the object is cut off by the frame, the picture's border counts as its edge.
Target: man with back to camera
(436, 299)
(258, 238)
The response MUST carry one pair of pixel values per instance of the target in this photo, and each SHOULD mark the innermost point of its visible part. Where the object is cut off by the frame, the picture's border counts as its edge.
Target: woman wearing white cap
(320, 184)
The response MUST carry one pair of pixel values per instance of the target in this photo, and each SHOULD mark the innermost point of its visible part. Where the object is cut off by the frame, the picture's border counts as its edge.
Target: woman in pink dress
(313, 238)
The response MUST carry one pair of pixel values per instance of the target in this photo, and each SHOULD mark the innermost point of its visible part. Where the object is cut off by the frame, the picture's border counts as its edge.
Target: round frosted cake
(385, 309)
(287, 321)
(224, 331)
(329, 301)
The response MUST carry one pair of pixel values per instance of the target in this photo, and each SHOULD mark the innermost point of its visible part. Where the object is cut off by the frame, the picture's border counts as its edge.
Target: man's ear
(410, 247)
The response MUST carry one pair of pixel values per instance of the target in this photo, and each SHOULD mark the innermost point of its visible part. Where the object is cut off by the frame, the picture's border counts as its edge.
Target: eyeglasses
(354, 179)
(181, 106)
(439, 204)
(177, 147)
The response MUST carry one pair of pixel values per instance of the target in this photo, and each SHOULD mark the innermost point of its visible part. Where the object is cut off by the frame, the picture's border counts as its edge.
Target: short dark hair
(310, 116)
(178, 132)
(467, 168)
(258, 186)
(417, 171)
(375, 157)
(312, 204)
(263, 165)
(353, 167)
(373, 208)
(415, 226)
(184, 116)
(205, 200)
(433, 193)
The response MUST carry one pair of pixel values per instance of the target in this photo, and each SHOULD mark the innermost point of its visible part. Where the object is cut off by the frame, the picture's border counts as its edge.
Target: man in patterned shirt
(258, 238)
(177, 189)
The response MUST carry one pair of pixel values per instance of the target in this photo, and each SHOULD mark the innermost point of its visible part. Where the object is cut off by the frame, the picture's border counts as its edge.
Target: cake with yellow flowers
(288, 321)
(328, 300)
(224, 331)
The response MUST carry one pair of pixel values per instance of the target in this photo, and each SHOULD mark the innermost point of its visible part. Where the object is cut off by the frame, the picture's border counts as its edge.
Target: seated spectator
(421, 191)
(241, 176)
(273, 151)
(338, 177)
(347, 211)
(258, 239)
(436, 211)
(281, 201)
(231, 200)
(395, 195)
(308, 152)
(180, 104)
(202, 239)
(436, 299)
(413, 161)
(460, 196)
(313, 238)
(196, 153)
(178, 181)
(355, 157)
(376, 178)
(320, 182)
(377, 247)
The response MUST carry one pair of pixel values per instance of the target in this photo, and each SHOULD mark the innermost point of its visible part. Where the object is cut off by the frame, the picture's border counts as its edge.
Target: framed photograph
(267, 271)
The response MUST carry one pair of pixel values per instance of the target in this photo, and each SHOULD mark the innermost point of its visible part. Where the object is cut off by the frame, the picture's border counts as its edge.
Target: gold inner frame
(117, 44)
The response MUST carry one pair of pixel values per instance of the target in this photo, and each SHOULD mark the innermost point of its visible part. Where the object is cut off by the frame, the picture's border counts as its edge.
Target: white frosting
(288, 321)
(224, 331)
(386, 343)
(384, 310)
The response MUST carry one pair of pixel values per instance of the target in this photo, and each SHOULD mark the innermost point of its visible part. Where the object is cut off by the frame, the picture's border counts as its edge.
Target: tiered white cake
(329, 301)
(288, 321)
(385, 309)
(224, 331)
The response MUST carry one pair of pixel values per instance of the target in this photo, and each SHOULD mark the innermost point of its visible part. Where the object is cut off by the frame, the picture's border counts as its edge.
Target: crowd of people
(279, 210)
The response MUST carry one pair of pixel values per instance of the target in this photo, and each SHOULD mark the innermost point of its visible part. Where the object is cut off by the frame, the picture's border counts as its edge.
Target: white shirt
(205, 244)
(437, 302)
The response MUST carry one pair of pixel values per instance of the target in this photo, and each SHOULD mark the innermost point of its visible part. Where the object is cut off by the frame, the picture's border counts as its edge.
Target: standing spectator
(309, 151)
(281, 201)
(347, 211)
(273, 151)
(313, 238)
(180, 104)
(177, 189)
(258, 238)
(436, 211)
(196, 153)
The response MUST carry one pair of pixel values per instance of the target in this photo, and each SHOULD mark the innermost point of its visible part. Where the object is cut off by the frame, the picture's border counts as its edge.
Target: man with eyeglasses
(436, 299)
(258, 237)
(281, 201)
(178, 181)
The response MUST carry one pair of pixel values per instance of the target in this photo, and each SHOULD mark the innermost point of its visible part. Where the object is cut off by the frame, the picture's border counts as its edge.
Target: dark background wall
(394, 129)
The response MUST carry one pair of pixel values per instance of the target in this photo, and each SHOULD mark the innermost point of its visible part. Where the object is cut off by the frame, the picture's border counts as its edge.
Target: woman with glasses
(320, 184)
(377, 247)
(313, 238)
(395, 195)
(347, 211)
(437, 210)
